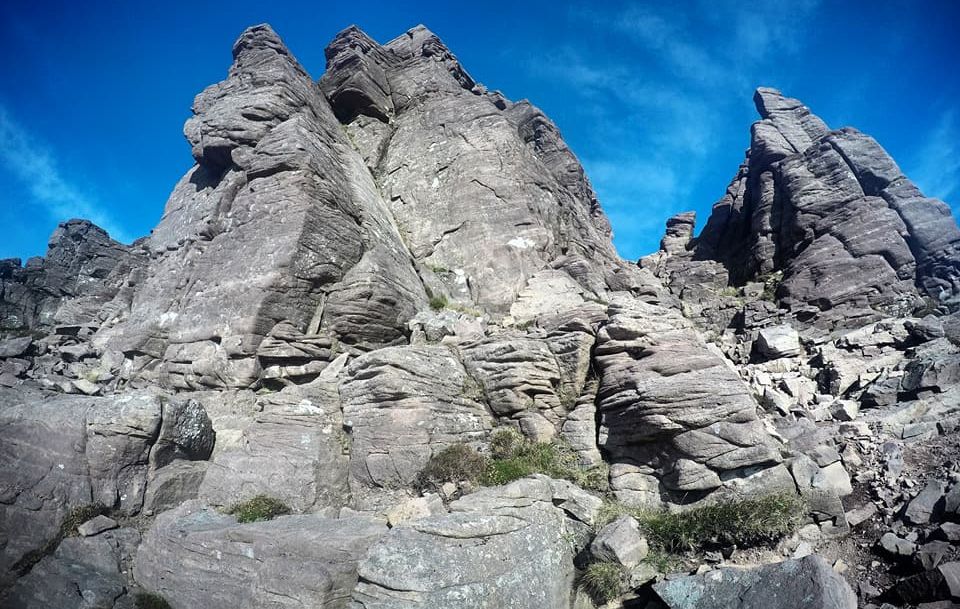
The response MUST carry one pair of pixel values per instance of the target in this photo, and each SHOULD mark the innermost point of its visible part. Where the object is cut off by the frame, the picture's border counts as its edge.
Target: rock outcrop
(84, 269)
(377, 295)
(849, 237)
(437, 143)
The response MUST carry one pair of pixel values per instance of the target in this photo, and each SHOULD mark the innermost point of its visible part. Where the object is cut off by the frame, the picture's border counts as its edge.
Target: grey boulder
(805, 583)
(194, 556)
(500, 547)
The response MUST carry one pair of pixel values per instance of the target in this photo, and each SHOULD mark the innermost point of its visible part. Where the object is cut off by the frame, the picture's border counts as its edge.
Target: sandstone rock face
(373, 214)
(399, 414)
(195, 556)
(273, 166)
(81, 573)
(293, 450)
(437, 141)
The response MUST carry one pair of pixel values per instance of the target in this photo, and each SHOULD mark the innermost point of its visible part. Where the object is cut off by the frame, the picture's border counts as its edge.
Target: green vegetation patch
(511, 457)
(438, 302)
(603, 581)
(514, 457)
(743, 522)
(261, 507)
(455, 463)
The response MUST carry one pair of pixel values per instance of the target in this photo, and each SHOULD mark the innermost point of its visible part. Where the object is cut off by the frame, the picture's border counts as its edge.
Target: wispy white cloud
(936, 166)
(745, 35)
(662, 86)
(32, 163)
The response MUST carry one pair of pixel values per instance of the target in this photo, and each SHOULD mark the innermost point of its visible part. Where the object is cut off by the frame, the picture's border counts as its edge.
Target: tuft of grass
(455, 463)
(68, 528)
(514, 457)
(611, 510)
(438, 302)
(741, 522)
(261, 507)
(603, 581)
(148, 600)
(511, 457)
(663, 562)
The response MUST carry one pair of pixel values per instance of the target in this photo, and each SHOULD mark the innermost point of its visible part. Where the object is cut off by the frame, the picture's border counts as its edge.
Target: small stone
(855, 428)
(926, 504)
(810, 532)
(75, 353)
(824, 455)
(952, 500)
(920, 431)
(86, 387)
(850, 456)
(96, 525)
(448, 490)
(643, 573)
(414, 509)
(845, 410)
(951, 576)
(895, 546)
(778, 341)
(620, 541)
(803, 549)
(821, 414)
(861, 514)
(833, 477)
(14, 347)
(868, 590)
(948, 531)
(930, 554)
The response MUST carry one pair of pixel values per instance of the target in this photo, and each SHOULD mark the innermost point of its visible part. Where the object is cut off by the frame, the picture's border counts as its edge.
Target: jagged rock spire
(853, 237)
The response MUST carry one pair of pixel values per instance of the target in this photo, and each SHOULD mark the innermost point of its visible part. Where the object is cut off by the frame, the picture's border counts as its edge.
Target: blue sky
(654, 97)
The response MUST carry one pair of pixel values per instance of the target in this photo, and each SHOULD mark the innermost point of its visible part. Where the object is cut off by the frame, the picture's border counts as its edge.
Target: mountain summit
(380, 353)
